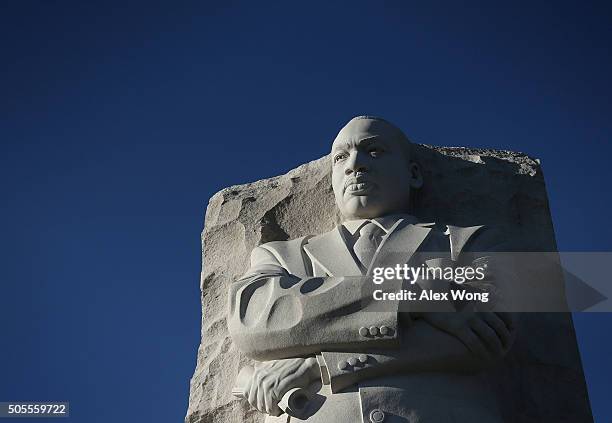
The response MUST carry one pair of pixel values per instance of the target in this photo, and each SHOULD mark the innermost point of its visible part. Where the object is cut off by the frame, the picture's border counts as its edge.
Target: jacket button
(373, 330)
(377, 416)
(363, 358)
(352, 361)
(342, 365)
(363, 331)
(384, 330)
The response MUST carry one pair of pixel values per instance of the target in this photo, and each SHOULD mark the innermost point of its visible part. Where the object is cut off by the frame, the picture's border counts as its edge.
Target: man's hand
(272, 379)
(486, 334)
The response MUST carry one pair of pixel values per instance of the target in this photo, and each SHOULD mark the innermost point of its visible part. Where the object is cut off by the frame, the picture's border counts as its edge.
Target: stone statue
(300, 312)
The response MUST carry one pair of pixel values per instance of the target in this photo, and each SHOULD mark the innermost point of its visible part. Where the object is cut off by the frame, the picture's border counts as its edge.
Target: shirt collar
(384, 222)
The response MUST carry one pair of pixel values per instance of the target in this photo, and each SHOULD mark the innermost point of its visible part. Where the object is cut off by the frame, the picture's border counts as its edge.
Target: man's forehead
(367, 129)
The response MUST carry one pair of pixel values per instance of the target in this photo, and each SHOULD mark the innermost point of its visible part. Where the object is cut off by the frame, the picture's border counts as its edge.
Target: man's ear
(416, 177)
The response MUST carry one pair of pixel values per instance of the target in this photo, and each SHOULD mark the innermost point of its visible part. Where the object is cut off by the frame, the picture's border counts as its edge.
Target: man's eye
(375, 152)
(340, 156)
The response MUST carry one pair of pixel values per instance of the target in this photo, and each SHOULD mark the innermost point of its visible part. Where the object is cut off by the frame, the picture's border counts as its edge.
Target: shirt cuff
(324, 372)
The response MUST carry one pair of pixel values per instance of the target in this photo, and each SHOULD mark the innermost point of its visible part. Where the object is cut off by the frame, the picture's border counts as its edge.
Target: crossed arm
(285, 321)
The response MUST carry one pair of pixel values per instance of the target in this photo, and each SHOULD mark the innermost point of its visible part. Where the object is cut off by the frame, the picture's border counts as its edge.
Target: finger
(252, 396)
(275, 411)
(257, 390)
(285, 368)
(473, 343)
(487, 335)
(507, 319)
(498, 326)
(313, 369)
(298, 378)
(306, 368)
(269, 401)
(272, 405)
(288, 383)
(261, 399)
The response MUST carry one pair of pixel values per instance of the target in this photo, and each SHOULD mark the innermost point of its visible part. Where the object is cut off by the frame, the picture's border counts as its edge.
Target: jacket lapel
(331, 253)
(400, 244)
(459, 236)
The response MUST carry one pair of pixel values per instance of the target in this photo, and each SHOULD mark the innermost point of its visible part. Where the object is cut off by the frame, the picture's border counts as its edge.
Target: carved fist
(272, 379)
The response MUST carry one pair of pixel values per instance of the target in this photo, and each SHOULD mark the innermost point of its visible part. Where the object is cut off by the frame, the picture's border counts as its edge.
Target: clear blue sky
(118, 120)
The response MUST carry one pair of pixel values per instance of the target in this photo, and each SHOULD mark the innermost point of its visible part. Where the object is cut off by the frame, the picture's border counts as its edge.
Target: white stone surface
(541, 379)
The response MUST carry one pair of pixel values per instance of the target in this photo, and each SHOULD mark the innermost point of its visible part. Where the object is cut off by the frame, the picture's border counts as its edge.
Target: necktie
(367, 243)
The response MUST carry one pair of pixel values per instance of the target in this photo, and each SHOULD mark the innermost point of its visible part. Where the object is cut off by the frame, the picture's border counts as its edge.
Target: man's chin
(361, 210)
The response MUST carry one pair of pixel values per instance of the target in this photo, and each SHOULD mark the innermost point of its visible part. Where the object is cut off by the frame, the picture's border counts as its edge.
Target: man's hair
(370, 117)
(406, 147)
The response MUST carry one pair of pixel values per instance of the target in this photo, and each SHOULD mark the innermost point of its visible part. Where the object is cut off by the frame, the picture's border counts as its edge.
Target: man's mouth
(358, 187)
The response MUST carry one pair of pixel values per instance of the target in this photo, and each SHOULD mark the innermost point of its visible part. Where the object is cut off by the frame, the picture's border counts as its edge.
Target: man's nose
(356, 163)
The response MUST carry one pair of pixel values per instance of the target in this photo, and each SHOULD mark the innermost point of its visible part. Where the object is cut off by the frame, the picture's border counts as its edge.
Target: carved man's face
(371, 173)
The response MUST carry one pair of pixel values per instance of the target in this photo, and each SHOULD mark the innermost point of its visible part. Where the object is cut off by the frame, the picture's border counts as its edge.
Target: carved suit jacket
(304, 297)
